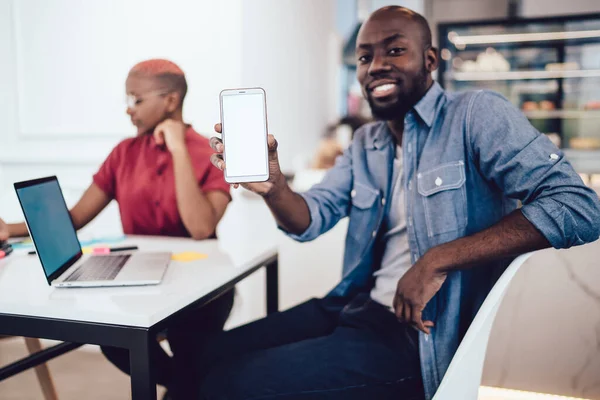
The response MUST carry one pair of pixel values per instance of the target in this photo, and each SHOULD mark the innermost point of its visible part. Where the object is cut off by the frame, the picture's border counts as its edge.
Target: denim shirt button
(374, 233)
(353, 193)
(438, 181)
(554, 156)
(383, 202)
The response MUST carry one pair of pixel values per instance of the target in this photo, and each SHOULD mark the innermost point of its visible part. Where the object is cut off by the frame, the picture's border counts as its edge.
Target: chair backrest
(463, 377)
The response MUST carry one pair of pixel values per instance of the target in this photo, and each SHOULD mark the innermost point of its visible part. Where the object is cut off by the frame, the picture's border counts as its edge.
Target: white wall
(62, 81)
(64, 63)
(291, 50)
(67, 62)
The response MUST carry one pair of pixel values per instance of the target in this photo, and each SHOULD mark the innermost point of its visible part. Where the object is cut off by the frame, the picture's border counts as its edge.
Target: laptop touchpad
(145, 267)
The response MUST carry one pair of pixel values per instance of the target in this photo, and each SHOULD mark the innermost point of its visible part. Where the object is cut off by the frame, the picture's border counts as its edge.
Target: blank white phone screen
(245, 125)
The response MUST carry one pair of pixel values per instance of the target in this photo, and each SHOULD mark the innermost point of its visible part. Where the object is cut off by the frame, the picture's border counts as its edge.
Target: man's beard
(404, 102)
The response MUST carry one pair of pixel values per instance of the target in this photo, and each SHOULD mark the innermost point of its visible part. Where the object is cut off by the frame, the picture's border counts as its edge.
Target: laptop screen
(49, 223)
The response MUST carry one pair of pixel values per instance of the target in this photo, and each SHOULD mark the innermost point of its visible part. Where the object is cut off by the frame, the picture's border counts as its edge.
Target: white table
(126, 317)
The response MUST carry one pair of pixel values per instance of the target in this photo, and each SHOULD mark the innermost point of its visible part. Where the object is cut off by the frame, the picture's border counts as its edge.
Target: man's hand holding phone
(247, 155)
(276, 179)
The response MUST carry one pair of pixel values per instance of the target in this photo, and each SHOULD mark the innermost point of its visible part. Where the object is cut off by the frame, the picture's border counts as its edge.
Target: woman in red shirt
(165, 184)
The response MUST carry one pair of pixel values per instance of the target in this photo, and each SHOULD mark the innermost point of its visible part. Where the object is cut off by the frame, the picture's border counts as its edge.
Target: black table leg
(273, 286)
(143, 385)
(36, 359)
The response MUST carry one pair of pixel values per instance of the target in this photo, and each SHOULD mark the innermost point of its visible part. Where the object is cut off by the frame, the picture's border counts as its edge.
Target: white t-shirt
(396, 256)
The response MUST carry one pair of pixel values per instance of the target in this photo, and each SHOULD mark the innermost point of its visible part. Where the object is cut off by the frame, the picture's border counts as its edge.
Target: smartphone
(244, 133)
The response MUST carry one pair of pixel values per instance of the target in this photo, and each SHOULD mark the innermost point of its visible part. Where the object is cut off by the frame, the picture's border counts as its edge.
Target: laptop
(59, 251)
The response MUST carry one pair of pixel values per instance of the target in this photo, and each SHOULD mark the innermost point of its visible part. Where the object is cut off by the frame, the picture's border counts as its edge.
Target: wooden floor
(81, 374)
(84, 374)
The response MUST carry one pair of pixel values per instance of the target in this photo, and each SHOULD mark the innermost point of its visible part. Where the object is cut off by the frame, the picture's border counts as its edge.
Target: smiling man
(431, 191)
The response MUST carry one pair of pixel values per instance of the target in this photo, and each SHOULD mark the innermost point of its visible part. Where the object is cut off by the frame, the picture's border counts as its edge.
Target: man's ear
(173, 100)
(432, 60)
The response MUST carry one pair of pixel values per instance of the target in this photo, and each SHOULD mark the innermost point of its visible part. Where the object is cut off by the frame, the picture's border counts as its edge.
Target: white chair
(463, 377)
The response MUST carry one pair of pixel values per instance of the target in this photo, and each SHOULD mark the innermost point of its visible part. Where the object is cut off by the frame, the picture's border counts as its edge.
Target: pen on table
(106, 250)
(5, 251)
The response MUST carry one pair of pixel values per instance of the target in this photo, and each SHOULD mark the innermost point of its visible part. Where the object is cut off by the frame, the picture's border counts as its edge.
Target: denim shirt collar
(425, 109)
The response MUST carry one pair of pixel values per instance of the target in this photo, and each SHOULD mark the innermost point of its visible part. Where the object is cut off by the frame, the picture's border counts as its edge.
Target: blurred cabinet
(548, 67)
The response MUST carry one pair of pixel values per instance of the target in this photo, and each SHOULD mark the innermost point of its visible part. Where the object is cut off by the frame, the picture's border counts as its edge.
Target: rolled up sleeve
(526, 165)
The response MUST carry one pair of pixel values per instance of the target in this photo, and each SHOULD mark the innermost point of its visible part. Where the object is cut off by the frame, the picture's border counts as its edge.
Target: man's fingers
(217, 161)
(216, 144)
(417, 321)
(272, 143)
(400, 312)
(218, 128)
(407, 312)
(399, 308)
(272, 146)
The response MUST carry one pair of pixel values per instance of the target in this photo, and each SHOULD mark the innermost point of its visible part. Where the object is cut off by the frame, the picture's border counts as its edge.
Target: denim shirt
(468, 159)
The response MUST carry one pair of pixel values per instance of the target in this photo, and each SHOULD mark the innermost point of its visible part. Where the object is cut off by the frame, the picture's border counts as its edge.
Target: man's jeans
(328, 348)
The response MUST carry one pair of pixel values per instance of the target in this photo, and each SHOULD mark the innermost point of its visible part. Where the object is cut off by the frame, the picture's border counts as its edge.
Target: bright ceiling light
(492, 393)
(520, 37)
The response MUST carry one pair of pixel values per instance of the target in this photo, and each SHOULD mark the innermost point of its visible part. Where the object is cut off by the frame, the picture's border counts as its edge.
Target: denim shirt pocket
(442, 190)
(363, 211)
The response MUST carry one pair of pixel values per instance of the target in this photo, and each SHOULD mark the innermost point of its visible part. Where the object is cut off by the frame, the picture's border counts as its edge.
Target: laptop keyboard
(99, 268)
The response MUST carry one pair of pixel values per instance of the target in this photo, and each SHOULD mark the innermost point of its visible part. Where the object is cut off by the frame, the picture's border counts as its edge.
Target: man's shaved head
(402, 12)
(168, 74)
